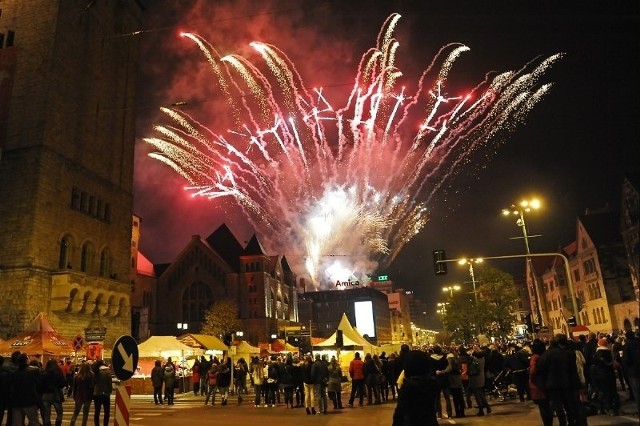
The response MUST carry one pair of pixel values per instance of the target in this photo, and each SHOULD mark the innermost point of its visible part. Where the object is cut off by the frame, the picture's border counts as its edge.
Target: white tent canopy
(165, 347)
(350, 337)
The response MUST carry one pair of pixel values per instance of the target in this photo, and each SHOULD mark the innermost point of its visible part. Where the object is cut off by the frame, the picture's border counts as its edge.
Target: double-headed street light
(442, 311)
(526, 206)
(470, 262)
(451, 289)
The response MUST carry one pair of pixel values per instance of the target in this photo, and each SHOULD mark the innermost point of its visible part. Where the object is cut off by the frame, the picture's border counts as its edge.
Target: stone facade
(216, 268)
(66, 164)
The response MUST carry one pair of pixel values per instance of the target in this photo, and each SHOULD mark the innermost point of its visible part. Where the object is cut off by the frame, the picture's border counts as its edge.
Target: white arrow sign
(128, 359)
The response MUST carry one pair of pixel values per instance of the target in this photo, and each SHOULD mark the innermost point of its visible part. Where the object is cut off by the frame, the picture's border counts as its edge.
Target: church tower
(67, 130)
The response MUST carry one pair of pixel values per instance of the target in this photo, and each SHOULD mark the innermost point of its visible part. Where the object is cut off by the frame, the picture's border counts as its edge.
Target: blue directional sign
(124, 357)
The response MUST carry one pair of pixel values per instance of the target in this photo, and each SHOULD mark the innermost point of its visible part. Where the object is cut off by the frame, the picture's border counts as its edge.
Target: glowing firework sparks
(308, 175)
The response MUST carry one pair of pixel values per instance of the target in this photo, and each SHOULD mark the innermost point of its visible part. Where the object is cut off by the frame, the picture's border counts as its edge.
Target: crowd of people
(32, 391)
(567, 379)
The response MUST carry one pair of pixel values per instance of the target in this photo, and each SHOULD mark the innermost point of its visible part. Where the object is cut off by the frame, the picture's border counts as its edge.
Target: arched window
(86, 257)
(196, 299)
(104, 262)
(65, 248)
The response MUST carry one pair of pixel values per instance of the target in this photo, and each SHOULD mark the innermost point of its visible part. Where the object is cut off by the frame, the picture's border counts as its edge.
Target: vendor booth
(39, 339)
(211, 345)
(246, 351)
(352, 342)
(162, 348)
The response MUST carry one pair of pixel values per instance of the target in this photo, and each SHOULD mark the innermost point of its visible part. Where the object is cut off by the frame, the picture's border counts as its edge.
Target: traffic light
(439, 262)
(571, 321)
(339, 339)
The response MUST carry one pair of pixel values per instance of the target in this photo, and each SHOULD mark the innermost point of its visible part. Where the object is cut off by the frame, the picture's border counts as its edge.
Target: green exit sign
(383, 277)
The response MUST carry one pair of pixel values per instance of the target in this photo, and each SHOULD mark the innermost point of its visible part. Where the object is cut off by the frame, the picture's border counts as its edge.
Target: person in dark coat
(589, 350)
(82, 393)
(631, 364)
(320, 377)
(102, 389)
(440, 364)
(603, 379)
(517, 360)
(5, 381)
(536, 384)
(223, 380)
(557, 368)
(25, 383)
(371, 373)
(157, 379)
(416, 404)
(170, 378)
(53, 381)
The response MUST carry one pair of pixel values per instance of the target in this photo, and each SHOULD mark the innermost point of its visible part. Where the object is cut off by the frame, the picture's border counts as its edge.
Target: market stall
(39, 339)
(162, 348)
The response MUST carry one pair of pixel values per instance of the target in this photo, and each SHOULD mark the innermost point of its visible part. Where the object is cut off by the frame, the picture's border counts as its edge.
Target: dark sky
(571, 152)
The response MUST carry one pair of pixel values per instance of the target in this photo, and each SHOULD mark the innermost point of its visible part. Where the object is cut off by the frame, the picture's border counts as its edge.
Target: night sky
(572, 152)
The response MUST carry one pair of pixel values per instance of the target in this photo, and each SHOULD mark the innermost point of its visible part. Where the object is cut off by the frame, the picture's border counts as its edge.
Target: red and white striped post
(123, 402)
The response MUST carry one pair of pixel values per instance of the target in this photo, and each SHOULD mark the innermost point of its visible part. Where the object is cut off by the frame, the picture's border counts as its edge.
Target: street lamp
(470, 262)
(442, 311)
(451, 289)
(526, 206)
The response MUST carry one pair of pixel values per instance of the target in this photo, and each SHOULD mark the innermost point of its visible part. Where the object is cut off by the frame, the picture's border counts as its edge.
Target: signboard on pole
(124, 357)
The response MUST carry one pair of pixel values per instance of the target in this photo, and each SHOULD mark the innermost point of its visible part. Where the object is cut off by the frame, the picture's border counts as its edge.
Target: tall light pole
(470, 262)
(451, 289)
(442, 310)
(519, 211)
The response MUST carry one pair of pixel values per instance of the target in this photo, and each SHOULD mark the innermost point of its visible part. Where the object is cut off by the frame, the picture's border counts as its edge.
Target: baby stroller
(502, 387)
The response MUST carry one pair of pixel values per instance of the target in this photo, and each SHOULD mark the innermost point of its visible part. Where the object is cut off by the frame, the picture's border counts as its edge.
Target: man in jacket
(103, 386)
(356, 372)
(25, 383)
(320, 377)
(557, 367)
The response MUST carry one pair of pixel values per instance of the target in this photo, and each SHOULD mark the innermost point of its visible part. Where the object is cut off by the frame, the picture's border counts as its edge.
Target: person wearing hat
(603, 379)
(417, 396)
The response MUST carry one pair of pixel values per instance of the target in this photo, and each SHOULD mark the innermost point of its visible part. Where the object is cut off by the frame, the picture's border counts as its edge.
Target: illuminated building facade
(219, 268)
(366, 308)
(67, 132)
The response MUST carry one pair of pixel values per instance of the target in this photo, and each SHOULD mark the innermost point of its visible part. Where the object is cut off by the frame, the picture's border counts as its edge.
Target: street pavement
(190, 409)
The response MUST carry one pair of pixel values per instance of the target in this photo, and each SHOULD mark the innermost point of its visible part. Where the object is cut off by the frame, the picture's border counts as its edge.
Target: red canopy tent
(39, 338)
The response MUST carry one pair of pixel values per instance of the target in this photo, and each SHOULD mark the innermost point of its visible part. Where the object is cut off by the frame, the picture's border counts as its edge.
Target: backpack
(473, 368)
(272, 373)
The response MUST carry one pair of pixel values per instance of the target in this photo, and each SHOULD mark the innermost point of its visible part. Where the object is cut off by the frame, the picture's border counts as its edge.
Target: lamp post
(525, 206)
(451, 289)
(470, 262)
(442, 310)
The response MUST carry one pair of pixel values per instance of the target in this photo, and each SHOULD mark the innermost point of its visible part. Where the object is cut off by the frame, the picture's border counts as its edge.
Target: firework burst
(353, 181)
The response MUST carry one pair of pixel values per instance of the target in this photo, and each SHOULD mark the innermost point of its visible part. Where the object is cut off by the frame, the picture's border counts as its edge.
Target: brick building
(67, 90)
(218, 267)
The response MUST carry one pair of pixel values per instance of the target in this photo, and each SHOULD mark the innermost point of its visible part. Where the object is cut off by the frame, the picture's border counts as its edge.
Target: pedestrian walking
(82, 393)
(157, 380)
(102, 389)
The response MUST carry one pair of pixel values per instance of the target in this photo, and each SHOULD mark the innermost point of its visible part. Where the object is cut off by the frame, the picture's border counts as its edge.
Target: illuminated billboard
(364, 318)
